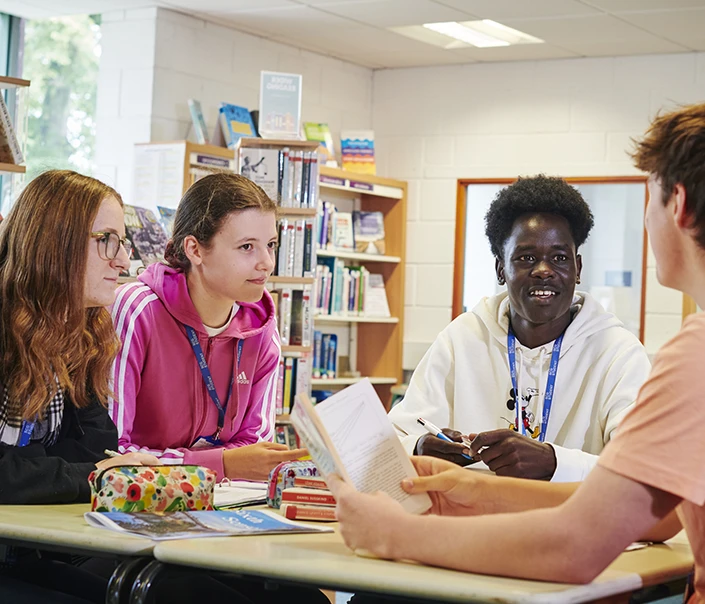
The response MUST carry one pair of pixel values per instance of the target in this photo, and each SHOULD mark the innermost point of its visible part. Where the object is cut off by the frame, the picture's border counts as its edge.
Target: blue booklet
(188, 525)
(235, 122)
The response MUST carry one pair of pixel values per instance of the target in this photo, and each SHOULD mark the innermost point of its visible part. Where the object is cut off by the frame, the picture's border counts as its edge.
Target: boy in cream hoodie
(577, 369)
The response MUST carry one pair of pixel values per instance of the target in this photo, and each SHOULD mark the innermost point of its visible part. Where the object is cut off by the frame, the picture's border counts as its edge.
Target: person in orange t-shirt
(653, 469)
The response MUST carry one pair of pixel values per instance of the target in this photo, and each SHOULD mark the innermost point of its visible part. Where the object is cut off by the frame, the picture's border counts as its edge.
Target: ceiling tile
(392, 59)
(684, 27)
(520, 9)
(521, 52)
(616, 48)
(619, 6)
(396, 13)
(593, 30)
(227, 6)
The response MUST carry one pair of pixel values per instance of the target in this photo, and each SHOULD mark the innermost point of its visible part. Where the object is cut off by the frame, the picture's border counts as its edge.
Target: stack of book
(296, 255)
(287, 175)
(294, 378)
(284, 434)
(308, 499)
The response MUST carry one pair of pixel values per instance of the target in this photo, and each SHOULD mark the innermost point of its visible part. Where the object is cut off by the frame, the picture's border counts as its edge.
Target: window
(61, 58)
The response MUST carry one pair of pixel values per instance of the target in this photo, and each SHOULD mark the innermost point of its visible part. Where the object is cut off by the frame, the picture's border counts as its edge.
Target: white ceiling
(355, 30)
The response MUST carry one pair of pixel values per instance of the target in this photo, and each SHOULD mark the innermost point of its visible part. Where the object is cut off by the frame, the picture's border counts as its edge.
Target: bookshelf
(374, 344)
(17, 103)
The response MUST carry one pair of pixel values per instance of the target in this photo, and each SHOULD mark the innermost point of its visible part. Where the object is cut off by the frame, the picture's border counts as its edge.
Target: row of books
(289, 176)
(356, 231)
(325, 355)
(294, 315)
(296, 256)
(348, 290)
(284, 434)
(294, 378)
(10, 150)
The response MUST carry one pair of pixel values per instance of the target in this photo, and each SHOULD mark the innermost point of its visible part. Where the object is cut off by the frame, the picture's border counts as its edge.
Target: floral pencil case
(282, 477)
(152, 489)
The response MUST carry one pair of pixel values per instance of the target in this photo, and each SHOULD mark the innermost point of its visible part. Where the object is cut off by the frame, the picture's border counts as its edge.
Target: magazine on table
(189, 525)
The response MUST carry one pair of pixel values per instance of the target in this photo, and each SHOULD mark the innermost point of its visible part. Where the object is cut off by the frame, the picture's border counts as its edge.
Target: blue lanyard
(208, 379)
(550, 383)
(26, 434)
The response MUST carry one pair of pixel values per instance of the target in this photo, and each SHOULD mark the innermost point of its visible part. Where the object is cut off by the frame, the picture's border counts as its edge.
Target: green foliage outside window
(61, 58)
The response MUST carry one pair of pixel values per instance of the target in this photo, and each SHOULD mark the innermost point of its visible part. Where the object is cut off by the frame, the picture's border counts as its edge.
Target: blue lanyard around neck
(208, 379)
(550, 383)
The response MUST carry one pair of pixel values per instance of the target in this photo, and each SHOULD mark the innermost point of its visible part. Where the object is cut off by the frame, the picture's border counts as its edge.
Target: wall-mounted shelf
(12, 168)
(345, 255)
(296, 211)
(292, 280)
(347, 381)
(353, 319)
(342, 180)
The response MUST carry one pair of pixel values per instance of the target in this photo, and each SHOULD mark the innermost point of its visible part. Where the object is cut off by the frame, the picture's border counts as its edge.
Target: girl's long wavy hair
(48, 339)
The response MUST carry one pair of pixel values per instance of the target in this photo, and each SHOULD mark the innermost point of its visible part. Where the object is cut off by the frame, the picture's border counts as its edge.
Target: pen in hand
(438, 433)
(111, 453)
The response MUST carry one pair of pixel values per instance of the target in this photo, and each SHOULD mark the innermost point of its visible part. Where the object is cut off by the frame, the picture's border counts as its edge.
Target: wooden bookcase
(375, 345)
(18, 103)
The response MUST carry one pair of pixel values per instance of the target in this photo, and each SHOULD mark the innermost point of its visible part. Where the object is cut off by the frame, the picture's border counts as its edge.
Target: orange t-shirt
(661, 443)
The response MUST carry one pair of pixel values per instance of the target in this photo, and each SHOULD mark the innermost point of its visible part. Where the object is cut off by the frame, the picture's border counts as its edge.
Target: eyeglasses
(109, 244)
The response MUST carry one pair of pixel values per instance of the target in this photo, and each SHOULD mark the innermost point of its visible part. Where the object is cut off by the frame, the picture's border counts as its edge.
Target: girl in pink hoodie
(196, 379)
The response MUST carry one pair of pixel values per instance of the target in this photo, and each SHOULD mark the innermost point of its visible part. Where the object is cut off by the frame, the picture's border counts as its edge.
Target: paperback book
(146, 233)
(349, 434)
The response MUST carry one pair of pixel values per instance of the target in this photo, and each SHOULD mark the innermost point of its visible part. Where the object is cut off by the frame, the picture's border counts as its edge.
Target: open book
(349, 434)
(238, 493)
(185, 525)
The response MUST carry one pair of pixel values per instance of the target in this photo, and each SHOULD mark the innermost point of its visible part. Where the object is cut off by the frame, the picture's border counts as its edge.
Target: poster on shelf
(280, 105)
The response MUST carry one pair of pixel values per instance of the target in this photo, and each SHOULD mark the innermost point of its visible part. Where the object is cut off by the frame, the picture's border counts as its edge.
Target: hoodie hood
(590, 318)
(169, 284)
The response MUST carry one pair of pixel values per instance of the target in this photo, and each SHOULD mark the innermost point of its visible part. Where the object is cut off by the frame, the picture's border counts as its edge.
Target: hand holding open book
(350, 435)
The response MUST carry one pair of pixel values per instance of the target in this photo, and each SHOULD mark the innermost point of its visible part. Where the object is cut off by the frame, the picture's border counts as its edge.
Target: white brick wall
(154, 60)
(571, 117)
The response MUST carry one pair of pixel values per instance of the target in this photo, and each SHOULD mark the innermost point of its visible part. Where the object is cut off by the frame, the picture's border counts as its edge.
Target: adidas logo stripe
(242, 378)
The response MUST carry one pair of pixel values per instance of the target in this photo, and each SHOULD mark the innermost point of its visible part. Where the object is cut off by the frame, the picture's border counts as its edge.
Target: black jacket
(58, 474)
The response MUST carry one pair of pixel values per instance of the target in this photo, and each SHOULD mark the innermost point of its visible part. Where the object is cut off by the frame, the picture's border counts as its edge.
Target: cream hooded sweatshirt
(463, 381)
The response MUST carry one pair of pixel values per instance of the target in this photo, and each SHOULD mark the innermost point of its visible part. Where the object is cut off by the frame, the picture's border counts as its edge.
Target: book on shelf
(342, 291)
(10, 150)
(369, 232)
(146, 234)
(296, 380)
(325, 355)
(357, 148)
(320, 133)
(318, 395)
(295, 255)
(186, 525)
(261, 166)
(235, 123)
(198, 121)
(309, 513)
(166, 217)
(341, 236)
(286, 435)
(280, 105)
(349, 434)
(289, 176)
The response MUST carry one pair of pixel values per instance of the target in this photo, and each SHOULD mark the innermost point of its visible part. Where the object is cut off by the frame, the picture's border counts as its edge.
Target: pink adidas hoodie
(162, 406)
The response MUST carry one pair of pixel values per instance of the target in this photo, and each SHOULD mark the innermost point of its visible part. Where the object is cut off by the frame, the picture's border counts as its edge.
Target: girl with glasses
(57, 344)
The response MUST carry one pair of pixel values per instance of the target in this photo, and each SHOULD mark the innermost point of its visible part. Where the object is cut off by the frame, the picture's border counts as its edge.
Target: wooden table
(322, 560)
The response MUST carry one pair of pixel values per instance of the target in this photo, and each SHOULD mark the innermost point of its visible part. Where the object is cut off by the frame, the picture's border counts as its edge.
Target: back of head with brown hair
(673, 149)
(204, 208)
(46, 333)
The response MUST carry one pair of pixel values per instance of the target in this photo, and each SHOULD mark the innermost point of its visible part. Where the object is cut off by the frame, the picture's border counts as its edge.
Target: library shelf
(345, 255)
(347, 381)
(353, 319)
